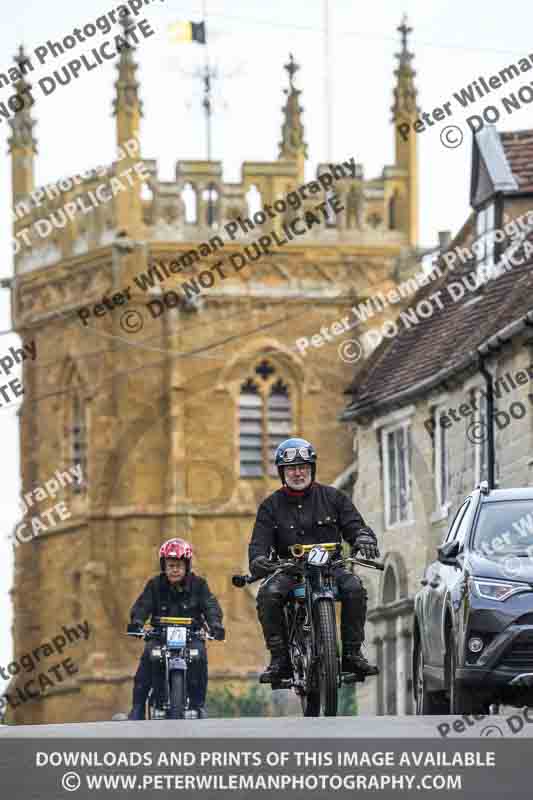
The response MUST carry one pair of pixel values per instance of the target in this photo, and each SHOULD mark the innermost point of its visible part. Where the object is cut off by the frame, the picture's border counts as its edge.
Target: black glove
(367, 545)
(135, 626)
(262, 566)
(218, 631)
(294, 570)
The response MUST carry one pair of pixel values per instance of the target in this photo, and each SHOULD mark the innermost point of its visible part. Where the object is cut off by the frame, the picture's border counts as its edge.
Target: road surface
(513, 723)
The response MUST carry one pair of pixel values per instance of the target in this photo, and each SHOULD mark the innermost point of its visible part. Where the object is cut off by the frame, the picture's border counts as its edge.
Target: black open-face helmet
(292, 452)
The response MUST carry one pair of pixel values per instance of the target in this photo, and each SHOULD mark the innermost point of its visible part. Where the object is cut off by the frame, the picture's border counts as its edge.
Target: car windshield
(505, 528)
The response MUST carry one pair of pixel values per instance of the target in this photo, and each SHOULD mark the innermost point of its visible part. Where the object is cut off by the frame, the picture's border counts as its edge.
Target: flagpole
(327, 86)
(207, 86)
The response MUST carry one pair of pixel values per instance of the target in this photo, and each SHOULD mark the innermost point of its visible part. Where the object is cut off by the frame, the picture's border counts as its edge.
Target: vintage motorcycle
(310, 626)
(173, 639)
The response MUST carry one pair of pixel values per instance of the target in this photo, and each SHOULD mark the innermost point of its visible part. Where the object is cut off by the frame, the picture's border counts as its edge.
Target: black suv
(473, 620)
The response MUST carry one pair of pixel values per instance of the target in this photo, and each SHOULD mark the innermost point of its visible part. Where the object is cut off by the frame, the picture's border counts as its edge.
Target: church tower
(172, 403)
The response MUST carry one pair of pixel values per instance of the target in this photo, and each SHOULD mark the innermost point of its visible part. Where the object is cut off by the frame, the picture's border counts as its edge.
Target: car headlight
(497, 590)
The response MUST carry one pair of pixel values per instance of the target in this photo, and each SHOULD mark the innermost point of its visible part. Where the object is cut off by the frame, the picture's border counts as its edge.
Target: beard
(298, 486)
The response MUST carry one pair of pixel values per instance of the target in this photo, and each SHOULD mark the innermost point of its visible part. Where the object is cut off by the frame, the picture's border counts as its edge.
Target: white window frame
(385, 432)
(485, 224)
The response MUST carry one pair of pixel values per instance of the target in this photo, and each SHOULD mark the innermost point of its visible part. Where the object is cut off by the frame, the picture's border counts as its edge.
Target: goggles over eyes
(291, 453)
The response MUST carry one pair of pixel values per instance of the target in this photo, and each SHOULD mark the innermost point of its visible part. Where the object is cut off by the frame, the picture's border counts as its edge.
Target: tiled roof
(444, 340)
(518, 148)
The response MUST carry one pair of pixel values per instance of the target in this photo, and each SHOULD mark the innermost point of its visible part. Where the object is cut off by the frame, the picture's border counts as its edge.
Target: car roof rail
(484, 487)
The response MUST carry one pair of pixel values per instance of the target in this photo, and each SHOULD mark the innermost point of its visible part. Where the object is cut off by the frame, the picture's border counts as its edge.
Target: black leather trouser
(150, 673)
(273, 593)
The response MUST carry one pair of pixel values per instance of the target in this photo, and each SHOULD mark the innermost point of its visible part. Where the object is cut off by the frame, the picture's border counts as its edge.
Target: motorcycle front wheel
(326, 632)
(177, 694)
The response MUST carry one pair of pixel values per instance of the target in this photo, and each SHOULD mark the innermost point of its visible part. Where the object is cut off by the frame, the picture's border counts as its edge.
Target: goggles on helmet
(291, 453)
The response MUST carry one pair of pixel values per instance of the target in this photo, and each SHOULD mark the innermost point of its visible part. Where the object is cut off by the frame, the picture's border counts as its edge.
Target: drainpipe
(490, 419)
(488, 348)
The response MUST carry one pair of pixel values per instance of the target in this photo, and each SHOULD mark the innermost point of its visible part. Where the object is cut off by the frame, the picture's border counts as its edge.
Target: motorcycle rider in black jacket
(308, 512)
(176, 592)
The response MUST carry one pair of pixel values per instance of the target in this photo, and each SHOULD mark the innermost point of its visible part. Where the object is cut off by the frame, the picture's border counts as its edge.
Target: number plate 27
(176, 637)
(318, 557)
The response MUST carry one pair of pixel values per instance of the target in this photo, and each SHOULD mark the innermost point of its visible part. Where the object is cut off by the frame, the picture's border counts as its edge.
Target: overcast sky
(453, 42)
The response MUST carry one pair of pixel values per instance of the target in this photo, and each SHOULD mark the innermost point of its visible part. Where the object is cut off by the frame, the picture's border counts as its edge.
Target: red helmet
(175, 548)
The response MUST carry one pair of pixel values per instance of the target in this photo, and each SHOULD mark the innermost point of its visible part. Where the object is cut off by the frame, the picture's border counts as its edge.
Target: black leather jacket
(320, 514)
(192, 599)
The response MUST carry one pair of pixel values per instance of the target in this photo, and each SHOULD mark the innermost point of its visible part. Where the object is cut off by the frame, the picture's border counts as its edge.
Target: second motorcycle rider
(176, 592)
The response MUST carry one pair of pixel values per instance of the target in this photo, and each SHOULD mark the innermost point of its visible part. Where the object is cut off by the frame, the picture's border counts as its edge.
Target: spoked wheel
(310, 700)
(307, 685)
(177, 694)
(326, 629)
(305, 672)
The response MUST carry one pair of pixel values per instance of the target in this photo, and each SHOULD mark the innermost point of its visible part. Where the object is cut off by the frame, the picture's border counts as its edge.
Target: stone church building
(174, 424)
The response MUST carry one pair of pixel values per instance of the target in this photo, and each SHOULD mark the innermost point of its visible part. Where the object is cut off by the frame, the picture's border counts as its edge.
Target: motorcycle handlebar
(147, 634)
(239, 581)
(243, 580)
(363, 562)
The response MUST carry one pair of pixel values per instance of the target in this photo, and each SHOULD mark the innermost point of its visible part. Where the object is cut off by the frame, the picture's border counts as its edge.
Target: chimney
(445, 238)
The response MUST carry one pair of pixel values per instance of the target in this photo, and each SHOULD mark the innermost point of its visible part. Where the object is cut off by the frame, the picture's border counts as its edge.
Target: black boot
(280, 666)
(353, 661)
(137, 712)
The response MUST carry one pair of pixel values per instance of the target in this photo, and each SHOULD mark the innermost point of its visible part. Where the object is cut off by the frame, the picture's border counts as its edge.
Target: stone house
(418, 403)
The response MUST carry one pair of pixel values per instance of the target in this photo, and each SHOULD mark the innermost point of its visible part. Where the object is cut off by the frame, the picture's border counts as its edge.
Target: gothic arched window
(392, 620)
(279, 420)
(79, 440)
(251, 430)
(265, 419)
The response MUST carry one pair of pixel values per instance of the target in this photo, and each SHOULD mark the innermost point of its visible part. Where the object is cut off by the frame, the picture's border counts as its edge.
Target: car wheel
(462, 699)
(427, 703)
